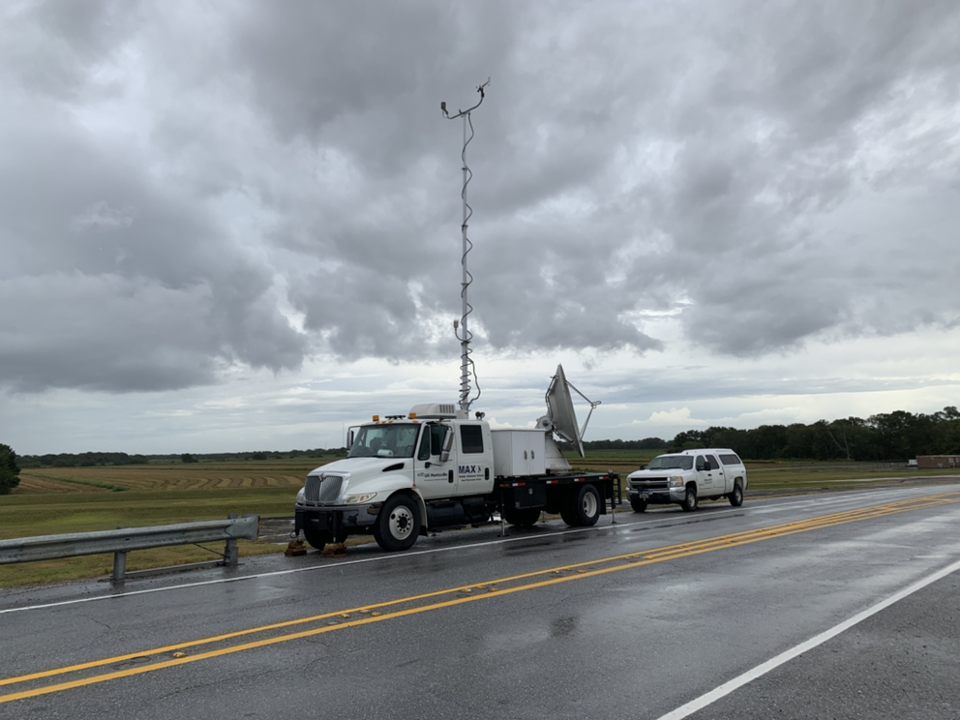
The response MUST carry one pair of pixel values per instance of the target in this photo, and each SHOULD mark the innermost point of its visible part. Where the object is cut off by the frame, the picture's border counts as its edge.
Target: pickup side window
(730, 459)
(712, 463)
(471, 439)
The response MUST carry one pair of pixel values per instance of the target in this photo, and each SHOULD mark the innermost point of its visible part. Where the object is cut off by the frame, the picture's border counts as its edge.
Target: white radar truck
(436, 467)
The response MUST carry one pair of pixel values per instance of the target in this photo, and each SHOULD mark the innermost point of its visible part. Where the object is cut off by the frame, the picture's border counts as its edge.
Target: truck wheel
(525, 517)
(398, 524)
(736, 497)
(638, 505)
(585, 508)
(689, 503)
(316, 538)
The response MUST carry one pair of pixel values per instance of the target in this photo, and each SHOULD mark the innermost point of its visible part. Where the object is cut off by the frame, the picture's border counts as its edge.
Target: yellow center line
(633, 560)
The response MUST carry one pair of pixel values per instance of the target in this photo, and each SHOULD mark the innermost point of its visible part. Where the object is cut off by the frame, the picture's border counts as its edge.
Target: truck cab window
(431, 443)
(438, 434)
(471, 439)
(424, 452)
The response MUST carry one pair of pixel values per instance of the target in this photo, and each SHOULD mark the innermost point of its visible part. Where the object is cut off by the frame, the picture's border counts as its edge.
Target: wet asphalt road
(687, 603)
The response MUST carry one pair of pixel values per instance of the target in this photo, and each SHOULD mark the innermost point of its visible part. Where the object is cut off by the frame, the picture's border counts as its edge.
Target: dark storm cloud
(186, 188)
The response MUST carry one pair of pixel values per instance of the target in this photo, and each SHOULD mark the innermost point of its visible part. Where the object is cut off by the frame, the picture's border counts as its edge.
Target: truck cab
(401, 475)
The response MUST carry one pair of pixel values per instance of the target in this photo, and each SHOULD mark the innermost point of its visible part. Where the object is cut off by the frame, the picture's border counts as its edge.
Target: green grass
(60, 500)
(51, 501)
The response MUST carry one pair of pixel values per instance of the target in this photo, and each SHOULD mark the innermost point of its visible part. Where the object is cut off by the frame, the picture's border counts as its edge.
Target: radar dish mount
(561, 418)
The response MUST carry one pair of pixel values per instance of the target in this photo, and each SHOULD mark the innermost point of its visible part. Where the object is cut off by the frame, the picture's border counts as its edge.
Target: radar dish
(560, 410)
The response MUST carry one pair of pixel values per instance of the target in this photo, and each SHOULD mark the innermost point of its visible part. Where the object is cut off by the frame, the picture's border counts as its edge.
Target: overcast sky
(236, 226)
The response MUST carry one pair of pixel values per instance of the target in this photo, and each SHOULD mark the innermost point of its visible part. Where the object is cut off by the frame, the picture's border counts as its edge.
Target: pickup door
(718, 478)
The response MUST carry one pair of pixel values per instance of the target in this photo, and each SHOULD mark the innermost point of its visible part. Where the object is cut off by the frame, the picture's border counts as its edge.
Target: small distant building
(930, 462)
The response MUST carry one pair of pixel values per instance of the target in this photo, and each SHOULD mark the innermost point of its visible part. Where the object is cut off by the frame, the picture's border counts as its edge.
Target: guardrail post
(231, 553)
(119, 566)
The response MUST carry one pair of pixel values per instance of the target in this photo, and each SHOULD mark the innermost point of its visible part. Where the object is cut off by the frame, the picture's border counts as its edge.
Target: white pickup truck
(687, 477)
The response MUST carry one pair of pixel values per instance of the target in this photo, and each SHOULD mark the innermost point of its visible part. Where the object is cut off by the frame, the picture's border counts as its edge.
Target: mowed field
(60, 500)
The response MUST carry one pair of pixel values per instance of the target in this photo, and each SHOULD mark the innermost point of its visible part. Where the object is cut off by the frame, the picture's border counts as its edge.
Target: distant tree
(187, 458)
(9, 470)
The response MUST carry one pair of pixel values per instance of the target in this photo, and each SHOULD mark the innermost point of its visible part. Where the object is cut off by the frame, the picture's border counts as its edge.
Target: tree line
(898, 435)
(100, 459)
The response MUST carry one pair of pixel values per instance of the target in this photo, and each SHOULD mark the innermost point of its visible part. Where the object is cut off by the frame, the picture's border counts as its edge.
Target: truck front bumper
(336, 519)
(659, 495)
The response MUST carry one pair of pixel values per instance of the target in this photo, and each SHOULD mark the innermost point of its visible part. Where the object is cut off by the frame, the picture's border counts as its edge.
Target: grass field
(59, 500)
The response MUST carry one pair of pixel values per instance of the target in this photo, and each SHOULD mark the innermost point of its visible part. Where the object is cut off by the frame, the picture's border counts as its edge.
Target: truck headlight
(676, 481)
(357, 499)
(302, 496)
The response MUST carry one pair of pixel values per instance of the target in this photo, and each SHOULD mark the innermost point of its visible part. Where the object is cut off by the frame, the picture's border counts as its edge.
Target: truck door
(717, 475)
(434, 478)
(476, 459)
(705, 480)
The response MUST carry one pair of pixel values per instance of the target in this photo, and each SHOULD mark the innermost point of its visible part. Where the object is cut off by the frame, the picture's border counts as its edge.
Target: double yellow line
(175, 655)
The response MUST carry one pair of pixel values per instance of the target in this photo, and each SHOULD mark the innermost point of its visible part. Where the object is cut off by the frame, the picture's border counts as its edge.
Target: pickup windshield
(394, 440)
(671, 462)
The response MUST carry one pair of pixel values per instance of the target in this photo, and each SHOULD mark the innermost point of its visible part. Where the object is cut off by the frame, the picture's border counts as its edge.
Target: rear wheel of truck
(584, 510)
(524, 517)
(689, 503)
(398, 524)
(736, 497)
(638, 505)
(316, 538)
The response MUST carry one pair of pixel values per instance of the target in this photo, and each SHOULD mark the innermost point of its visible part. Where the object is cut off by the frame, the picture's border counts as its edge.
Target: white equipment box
(519, 452)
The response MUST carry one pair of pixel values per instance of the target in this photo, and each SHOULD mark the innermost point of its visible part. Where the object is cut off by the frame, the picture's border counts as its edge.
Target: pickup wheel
(736, 497)
(398, 524)
(316, 538)
(689, 503)
(524, 517)
(638, 505)
(584, 510)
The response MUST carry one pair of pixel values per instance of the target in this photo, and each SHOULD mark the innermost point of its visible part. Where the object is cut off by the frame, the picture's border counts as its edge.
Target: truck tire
(316, 538)
(736, 497)
(398, 524)
(584, 510)
(524, 517)
(638, 505)
(689, 503)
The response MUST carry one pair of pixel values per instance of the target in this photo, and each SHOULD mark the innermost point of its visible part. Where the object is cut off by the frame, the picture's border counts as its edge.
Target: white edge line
(763, 668)
(378, 558)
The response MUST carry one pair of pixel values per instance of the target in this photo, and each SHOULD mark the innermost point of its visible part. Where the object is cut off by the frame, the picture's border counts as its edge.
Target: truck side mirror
(447, 444)
(351, 436)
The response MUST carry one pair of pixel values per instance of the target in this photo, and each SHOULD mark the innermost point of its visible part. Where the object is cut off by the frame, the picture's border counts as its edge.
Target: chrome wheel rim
(401, 522)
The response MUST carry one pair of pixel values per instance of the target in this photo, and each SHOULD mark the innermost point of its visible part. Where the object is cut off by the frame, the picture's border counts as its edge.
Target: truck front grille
(323, 488)
(648, 483)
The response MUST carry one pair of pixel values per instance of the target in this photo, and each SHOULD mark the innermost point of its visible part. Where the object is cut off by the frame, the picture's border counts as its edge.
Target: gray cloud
(187, 189)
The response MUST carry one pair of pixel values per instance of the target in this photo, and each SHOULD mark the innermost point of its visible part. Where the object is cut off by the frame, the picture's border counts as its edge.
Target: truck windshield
(394, 440)
(671, 462)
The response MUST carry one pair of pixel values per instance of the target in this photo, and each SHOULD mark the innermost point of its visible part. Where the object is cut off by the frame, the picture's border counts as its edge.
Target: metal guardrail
(123, 540)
